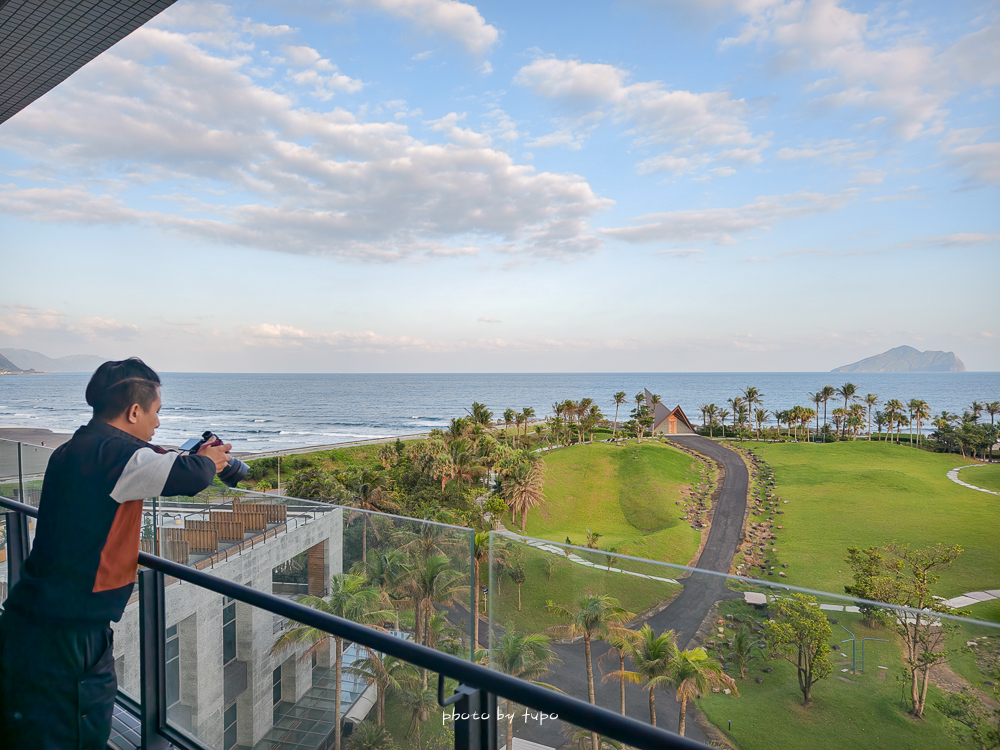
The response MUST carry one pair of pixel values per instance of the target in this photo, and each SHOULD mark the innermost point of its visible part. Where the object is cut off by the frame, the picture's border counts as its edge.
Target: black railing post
(475, 716)
(152, 649)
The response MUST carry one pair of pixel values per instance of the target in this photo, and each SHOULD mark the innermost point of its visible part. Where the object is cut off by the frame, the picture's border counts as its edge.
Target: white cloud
(25, 321)
(460, 21)
(978, 159)
(484, 319)
(319, 73)
(871, 177)
(834, 151)
(164, 112)
(699, 128)
(718, 225)
(961, 239)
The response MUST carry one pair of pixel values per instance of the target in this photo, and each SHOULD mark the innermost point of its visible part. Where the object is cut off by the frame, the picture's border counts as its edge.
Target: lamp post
(854, 651)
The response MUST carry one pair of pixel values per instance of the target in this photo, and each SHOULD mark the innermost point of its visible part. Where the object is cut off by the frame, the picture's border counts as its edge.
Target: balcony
(196, 650)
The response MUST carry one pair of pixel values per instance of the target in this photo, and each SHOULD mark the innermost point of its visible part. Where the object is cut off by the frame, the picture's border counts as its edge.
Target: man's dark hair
(115, 386)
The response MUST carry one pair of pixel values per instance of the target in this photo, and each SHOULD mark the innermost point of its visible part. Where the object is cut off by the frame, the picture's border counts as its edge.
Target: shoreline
(35, 436)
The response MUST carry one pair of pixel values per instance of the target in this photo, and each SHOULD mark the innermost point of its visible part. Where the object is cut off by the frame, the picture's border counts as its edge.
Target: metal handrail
(584, 715)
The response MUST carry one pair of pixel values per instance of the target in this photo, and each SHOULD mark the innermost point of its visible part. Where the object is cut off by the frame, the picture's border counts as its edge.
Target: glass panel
(127, 647)
(719, 621)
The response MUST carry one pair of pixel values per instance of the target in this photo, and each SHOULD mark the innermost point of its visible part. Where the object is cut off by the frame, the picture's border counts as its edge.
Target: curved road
(684, 614)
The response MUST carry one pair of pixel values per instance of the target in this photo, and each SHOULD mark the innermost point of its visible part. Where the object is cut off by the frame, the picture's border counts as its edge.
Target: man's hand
(218, 453)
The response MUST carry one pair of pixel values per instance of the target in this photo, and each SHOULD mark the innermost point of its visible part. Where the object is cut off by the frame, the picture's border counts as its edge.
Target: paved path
(576, 559)
(972, 597)
(684, 614)
(953, 476)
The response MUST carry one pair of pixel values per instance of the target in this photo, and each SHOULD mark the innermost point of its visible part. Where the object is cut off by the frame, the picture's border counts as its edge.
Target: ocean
(262, 412)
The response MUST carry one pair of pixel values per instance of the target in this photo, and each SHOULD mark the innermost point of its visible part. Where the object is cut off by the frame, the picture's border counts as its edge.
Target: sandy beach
(34, 436)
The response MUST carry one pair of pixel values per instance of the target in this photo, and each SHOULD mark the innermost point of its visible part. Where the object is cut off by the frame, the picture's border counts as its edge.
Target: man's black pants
(57, 685)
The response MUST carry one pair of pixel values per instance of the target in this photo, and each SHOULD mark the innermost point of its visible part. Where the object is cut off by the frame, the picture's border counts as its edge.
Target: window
(228, 630)
(276, 687)
(229, 733)
(173, 667)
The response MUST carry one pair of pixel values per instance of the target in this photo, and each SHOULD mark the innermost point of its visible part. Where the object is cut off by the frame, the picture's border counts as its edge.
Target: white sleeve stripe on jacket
(145, 475)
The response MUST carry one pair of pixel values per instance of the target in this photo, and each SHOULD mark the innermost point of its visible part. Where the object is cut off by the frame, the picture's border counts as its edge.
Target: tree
(525, 656)
(893, 409)
(722, 420)
(509, 415)
(522, 489)
(480, 414)
(481, 547)
(870, 400)
(592, 537)
(595, 616)
(692, 673)
(740, 651)
(799, 634)
(370, 491)
(652, 656)
(753, 398)
(516, 573)
(919, 410)
(817, 399)
(619, 400)
(389, 673)
(351, 598)
(828, 392)
(897, 574)
(419, 702)
(527, 413)
(993, 408)
(880, 422)
(712, 411)
(848, 392)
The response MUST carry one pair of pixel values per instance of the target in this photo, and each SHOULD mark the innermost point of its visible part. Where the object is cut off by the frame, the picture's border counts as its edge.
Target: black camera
(235, 471)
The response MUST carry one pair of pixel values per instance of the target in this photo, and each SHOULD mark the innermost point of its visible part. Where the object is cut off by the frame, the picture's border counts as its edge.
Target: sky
(439, 186)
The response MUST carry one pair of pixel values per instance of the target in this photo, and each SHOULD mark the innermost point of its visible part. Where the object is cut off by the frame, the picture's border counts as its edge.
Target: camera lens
(235, 472)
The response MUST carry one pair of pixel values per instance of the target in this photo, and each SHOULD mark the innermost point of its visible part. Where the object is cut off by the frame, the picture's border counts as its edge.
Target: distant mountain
(29, 360)
(907, 359)
(6, 366)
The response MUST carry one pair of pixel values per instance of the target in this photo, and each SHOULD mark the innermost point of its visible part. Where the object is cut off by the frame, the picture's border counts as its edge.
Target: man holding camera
(57, 671)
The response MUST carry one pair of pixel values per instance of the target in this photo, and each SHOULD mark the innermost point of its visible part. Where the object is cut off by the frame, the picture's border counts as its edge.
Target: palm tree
(828, 392)
(722, 420)
(692, 674)
(528, 414)
(761, 417)
(653, 656)
(654, 400)
(522, 489)
(753, 398)
(619, 641)
(976, 409)
(388, 673)
(741, 649)
(481, 547)
(619, 400)
(351, 598)
(385, 571)
(596, 616)
(993, 408)
(419, 703)
(371, 493)
(525, 656)
(480, 414)
(920, 411)
(847, 392)
(880, 422)
(893, 407)
(508, 417)
(816, 398)
(871, 400)
(712, 411)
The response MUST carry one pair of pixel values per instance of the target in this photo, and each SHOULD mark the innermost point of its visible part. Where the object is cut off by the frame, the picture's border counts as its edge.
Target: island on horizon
(906, 359)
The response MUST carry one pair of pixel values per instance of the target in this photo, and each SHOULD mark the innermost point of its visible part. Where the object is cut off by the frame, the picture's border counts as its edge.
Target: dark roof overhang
(43, 42)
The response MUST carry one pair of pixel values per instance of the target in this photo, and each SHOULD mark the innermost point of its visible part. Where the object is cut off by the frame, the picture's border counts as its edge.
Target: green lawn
(628, 494)
(987, 476)
(861, 493)
(848, 711)
(568, 584)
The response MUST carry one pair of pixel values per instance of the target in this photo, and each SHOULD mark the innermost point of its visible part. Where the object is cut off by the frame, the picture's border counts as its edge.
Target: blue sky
(429, 185)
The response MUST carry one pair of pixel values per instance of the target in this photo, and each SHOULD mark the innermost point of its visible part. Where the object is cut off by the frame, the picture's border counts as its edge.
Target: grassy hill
(861, 493)
(987, 477)
(628, 494)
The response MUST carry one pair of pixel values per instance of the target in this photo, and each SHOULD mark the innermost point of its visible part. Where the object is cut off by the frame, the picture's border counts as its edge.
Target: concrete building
(223, 684)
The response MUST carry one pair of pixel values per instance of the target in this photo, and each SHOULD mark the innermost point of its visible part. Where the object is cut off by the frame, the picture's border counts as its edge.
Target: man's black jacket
(84, 558)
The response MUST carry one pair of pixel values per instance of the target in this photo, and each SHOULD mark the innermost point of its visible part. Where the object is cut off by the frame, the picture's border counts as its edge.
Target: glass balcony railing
(244, 634)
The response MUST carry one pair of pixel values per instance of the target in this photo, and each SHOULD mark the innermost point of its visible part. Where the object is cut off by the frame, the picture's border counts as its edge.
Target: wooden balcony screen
(201, 541)
(252, 521)
(272, 513)
(177, 550)
(230, 528)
